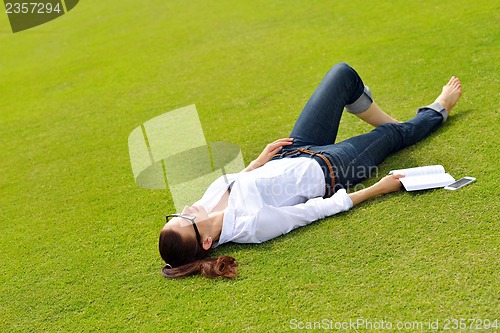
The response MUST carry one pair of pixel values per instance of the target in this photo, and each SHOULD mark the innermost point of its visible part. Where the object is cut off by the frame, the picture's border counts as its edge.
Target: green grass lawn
(78, 238)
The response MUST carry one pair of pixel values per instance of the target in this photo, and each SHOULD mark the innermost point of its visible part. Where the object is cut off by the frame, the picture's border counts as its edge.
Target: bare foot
(450, 94)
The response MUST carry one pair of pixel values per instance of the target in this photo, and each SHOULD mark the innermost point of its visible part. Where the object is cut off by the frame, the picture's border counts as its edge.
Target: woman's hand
(268, 153)
(388, 184)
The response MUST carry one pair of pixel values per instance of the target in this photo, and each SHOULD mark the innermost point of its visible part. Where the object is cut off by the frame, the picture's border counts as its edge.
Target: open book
(422, 178)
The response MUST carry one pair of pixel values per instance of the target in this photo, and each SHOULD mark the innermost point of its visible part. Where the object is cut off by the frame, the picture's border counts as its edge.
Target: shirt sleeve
(271, 222)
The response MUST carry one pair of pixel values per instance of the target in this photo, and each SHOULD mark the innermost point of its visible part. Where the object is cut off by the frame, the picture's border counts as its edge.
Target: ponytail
(184, 258)
(209, 267)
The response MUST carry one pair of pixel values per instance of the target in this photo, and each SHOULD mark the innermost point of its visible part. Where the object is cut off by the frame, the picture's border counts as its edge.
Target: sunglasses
(190, 218)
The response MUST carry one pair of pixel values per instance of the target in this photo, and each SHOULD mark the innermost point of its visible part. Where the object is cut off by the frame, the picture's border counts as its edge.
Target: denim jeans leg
(357, 158)
(319, 120)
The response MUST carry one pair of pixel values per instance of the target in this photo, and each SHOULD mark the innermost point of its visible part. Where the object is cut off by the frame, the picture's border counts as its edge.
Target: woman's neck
(212, 226)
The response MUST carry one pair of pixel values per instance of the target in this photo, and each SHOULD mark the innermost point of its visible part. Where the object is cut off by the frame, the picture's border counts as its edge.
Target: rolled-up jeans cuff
(436, 107)
(362, 103)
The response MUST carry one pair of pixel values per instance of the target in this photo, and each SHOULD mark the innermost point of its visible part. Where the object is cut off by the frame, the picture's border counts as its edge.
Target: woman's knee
(395, 134)
(390, 128)
(342, 68)
(347, 81)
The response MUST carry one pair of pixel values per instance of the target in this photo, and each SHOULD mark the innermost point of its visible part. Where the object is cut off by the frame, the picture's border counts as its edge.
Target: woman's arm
(386, 185)
(270, 221)
(268, 153)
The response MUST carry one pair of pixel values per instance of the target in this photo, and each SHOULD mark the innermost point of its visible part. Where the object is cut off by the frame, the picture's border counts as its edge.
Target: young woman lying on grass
(300, 179)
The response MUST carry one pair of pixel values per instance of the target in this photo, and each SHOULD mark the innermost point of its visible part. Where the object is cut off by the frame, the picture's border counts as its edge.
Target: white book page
(423, 182)
(424, 170)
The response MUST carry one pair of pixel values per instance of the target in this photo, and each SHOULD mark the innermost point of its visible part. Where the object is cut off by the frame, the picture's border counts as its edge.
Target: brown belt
(323, 157)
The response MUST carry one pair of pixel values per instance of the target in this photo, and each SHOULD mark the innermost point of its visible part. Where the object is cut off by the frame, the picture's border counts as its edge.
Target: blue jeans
(354, 159)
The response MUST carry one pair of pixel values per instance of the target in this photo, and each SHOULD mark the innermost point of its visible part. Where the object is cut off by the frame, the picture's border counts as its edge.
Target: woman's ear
(207, 243)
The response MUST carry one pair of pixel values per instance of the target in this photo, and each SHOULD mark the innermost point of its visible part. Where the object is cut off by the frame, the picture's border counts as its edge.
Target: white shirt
(272, 200)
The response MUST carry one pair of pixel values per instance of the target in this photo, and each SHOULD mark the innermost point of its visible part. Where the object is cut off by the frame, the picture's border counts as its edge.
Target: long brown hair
(185, 257)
